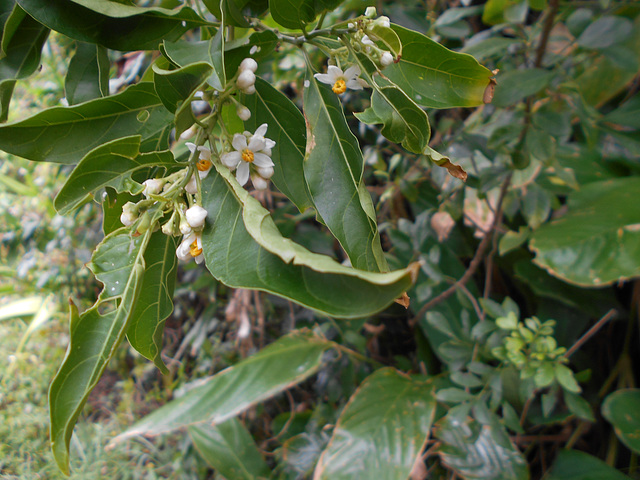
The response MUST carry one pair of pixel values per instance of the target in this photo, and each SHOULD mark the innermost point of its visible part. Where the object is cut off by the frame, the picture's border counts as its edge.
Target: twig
(591, 332)
(475, 262)
(546, 31)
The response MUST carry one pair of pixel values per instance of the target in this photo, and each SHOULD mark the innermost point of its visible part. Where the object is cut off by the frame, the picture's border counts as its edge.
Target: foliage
(500, 192)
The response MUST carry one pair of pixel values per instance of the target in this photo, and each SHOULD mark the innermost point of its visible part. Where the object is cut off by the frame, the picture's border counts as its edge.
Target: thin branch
(591, 332)
(477, 258)
(546, 31)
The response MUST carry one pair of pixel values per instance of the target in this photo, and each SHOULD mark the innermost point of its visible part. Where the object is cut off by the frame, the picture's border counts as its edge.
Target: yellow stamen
(203, 165)
(339, 87)
(194, 250)
(247, 155)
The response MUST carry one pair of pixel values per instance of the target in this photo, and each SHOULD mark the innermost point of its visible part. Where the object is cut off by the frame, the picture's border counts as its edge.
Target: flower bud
(188, 133)
(243, 112)
(145, 223)
(248, 64)
(196, 216)
(383, 21)
(265, 172)
(258, 182)
(192, 186)
(246, 79)
(386, 59)
(370, 12)
(153, 186)
(250, 90)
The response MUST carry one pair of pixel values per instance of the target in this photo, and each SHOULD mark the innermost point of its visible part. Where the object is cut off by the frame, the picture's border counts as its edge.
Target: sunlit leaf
(434, 76)
(65, 135)
(113, 24)
(216, 399)
(229, 448)
(382, 429)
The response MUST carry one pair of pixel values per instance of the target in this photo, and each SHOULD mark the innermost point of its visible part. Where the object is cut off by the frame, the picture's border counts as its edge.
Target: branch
(477, 258)
(591, 332)
(546, 31)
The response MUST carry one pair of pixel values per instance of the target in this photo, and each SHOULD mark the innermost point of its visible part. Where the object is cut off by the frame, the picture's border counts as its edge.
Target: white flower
(196, 216)
(370, 12)
(153, 186)
(249, 149)
(204, 161)
(248, 64)
(243, 112)
(386, 59)
(383, 21)
(246, 81)
(367, 41)
(341, 81)
(190, 247)
(129, 214)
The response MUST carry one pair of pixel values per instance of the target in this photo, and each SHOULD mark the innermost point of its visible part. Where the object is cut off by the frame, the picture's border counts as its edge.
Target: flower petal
(242, 174)
(191, 146)
(352, 72)
(256, 143)
(324, 78)
(261, 130)
(239, 142)
(231, 159)
(269, 143)
(262, 160)
(334, 72)
(354, 84)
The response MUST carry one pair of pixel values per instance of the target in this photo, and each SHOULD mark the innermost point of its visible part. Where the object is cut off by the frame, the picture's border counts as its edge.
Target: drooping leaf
(244, 249)
(434, 76)
(516, 85)
(286, 128)
(154, 303)
(381, 430)
(292, 13)
(113, 24)
(284, 363)
(22, 41)
(333, 168)
(118, 263)
(622, 410)
(229, 448)
(109, 165)
(88, 74)
(65, 135)
(479, 451)
(597, 242)
(576, 465)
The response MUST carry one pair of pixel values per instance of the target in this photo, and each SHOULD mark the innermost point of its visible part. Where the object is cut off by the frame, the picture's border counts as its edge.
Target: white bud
(153, 186)
(128, 218)
(192, 186)
(386, 59)
(370, 12)
(167, 228)
(243, 112)
(265, 172)
(250, 90)
(383, 21)
(249, 64)
(258, 182)
(196, 216)
(246, 79)
(350, 25)
(188, 133)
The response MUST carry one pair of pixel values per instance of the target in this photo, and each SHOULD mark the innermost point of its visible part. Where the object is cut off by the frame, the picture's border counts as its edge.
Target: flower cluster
(251, 157)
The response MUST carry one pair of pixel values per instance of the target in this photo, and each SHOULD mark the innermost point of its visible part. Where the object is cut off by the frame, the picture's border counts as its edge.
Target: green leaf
(536, 206)
(154, 303)
(244, 249)
(230, 450)
(112, 209)
(597, 242)
(382, 429)
(516, 85)
(434, 76)
(287, 129)
(292, 13)
(388, 37)
(565, 378)
(88, 74)
(622, 410)
(109, 165)
(576, 465)
(177, 88)
(112, 24)
(512, 240)
(284, 363)
(606, 31)
(65, 135)
(495, 11)
(118, 263)
(333, 168)
(475, 450)
(628, 114)
(22, 41)
(578, 406)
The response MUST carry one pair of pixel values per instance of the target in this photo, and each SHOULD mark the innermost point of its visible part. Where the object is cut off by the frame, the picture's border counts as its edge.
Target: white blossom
(383, 21)
(367, 41)
(190, 247)
(249, 149)
(203, 164)
(192, 186)
(196, 216)
(340, 80)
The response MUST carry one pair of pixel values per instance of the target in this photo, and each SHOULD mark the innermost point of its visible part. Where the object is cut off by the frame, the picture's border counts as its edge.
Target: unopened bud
(248, 64)
(370, 12)
(246, 79)
(258, 182)
(153, 186)
(243, 112)
(386, 59)
(196, 216)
